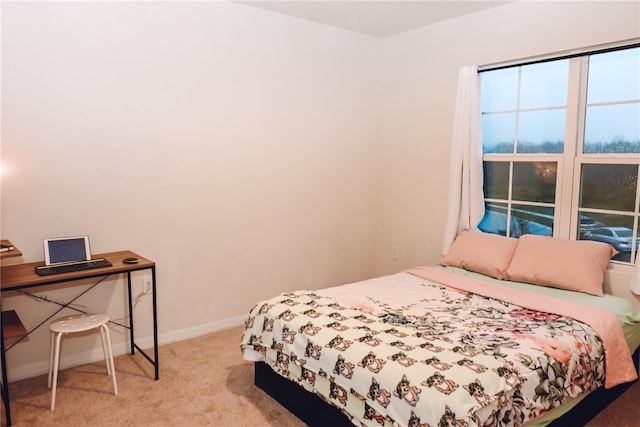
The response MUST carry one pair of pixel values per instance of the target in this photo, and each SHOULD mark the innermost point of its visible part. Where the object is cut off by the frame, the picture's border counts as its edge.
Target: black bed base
(315, 412)
(307, 406)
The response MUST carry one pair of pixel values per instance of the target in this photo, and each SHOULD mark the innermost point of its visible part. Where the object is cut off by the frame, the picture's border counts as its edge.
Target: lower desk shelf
(12, 325)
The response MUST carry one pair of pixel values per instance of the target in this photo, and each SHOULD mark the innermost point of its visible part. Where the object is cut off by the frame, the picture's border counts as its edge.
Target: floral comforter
(443, 357)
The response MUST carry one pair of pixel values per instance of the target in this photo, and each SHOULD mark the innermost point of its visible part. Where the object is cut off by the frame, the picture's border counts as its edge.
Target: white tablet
(66, 249)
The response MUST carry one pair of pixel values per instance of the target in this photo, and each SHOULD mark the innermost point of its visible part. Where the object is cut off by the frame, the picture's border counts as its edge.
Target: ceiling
(377, 18)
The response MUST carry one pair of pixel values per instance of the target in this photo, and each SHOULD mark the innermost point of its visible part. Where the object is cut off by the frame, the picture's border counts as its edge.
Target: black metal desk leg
(5, 379)
(155, 324)
(131, 341)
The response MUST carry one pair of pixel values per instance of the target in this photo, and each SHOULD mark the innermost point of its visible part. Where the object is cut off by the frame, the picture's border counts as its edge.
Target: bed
(448, 345)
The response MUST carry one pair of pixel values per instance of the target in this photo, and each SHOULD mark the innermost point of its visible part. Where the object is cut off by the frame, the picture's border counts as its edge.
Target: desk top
(21, 276)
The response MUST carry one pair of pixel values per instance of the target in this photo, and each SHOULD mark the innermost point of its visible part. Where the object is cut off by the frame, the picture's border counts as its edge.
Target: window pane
(611, 187)
(617, 230)
(544, 84)
(531, 220)
(495, 219)
(534, 181)
(541, 131)
(612, 129)
(613, 76)
(523, 220)
(500, 89)
(498, 132)
(496, 180)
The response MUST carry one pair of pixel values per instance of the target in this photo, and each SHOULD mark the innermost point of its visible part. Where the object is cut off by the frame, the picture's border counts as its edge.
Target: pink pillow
(485, 253)
(574, 265)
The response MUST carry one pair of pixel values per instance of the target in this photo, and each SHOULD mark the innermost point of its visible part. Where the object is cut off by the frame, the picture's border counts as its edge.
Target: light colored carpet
(203, 382)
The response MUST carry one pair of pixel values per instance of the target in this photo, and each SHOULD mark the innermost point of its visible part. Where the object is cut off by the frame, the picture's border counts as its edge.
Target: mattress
(409, 349)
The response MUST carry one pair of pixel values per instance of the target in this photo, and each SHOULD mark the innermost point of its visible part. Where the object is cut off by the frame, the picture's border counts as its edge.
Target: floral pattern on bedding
(452, 358)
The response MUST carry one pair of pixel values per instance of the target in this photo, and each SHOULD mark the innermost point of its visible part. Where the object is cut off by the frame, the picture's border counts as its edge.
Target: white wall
(245, 152)
(420, 92)
(236, 148)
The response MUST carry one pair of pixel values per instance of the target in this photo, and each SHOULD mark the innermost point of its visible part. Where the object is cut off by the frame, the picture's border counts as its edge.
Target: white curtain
(466, 199)
(635, 278)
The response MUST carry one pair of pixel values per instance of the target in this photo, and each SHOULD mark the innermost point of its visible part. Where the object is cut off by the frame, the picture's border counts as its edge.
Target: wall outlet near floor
(395, 252)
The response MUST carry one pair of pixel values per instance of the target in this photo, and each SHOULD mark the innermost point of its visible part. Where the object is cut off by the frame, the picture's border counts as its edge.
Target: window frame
(567, 212)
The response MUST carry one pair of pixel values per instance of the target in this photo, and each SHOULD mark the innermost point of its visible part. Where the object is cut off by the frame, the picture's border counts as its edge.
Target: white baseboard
(94, 355)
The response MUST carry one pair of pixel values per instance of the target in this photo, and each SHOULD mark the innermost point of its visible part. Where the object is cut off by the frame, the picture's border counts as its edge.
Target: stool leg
(113, 368)
(56, 361)
(104, 350)
(51, 345)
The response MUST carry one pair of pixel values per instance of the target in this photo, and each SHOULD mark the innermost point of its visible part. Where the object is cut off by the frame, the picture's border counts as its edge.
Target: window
(561, 149)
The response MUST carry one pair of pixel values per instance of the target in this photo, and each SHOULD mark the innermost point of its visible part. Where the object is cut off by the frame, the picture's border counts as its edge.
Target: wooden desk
(23, 276)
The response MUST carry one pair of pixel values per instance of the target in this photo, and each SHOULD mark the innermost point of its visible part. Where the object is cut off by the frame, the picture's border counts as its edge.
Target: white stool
(78, 323)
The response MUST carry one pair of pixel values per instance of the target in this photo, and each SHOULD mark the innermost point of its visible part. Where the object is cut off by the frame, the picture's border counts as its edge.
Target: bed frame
(315, 412)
